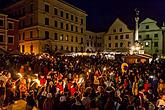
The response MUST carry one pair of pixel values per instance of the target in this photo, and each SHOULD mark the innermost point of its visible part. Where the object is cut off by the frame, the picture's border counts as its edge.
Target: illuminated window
(67, 37)
(147, 44)
(61, 37)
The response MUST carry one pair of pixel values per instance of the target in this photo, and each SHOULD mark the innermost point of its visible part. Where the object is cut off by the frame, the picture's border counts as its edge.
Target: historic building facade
(49, 25)
(94, 41)
(8, 33)
(119, 37)
(151, 37)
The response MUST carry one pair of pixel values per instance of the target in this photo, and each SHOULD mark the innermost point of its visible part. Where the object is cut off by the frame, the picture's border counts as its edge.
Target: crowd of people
(81, 83)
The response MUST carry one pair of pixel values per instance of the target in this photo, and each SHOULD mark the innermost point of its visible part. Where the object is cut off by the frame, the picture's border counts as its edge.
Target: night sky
(101, 13)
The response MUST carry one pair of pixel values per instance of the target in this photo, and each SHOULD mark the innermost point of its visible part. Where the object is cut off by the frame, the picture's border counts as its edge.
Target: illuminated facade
(151, 36)
(49, 25)
(94, 41)
(118, 38)
(8, 33)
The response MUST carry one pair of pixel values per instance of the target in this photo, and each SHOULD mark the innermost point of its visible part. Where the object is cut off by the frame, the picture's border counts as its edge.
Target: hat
(62, 99)
(49, 95)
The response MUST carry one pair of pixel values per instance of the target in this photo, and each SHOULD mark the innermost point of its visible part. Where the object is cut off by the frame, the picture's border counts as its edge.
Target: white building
(151, 37)
(119, 37)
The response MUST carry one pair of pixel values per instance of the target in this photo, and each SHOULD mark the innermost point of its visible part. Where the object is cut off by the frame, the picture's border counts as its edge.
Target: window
(23, 36)
(114, 30)
(1, 38)
(76, 49)
(129, 43)
(76, 19)
(46, 35)
(11, 39)
(23, 48)
(88, 44)
(19, 36)
(121, 36)
(147, 36)
(55, 11)
(66, 37)
(116, 44)
(120, 30)
(67, 48)
(71, 27)
(76, 29)
(140, 36)
(81, 40)
(55, 24)
(71, 49)
(31, 7)
(91, 43)
(1, 22)
(46, 8)
(109, 37)
(81, 30)
(72, 17)
(46, 21)
(62, 25)
(55, 36)
(155, 44)
(31, 48)
(116, 37)
(121, 44)
(67, 16)
(82, 21)
(62, 13)
(61, 37)
(147, 44)
(10, 25)
(67, 27)
(62, 47)
(109, 44)
(76, 39)
(156, 35)
(147, 26)
(56, 47)
(31, 21)
(127, 36)
(72, 39)
(31, 34)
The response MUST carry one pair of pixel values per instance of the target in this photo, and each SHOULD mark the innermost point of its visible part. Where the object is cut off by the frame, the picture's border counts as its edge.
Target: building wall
(94, 41)
(8, 33)
(118, 38)
(40, 18)
(150, 35)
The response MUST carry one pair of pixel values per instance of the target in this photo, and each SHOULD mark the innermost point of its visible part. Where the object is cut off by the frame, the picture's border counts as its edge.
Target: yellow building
(49, 25)
(118, 38)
